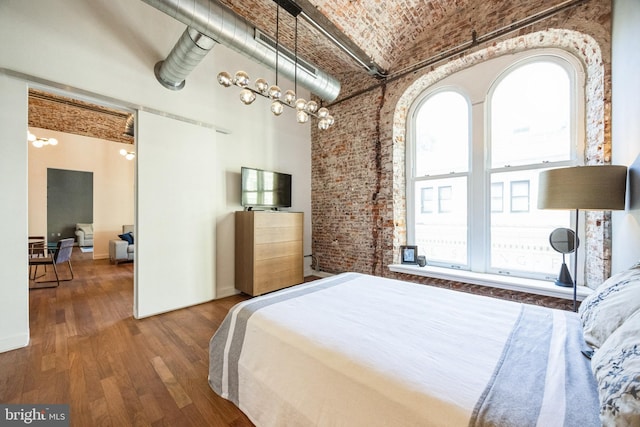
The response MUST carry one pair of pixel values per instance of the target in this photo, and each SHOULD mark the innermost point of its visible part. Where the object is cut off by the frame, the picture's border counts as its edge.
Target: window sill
(532, 286)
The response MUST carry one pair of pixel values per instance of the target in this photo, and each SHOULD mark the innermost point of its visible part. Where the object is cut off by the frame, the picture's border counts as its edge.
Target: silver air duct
(188, 52)
(129, 126)
(217, 22)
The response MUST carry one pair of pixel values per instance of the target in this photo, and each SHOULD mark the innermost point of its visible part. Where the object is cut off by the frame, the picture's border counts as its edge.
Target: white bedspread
(357, 350)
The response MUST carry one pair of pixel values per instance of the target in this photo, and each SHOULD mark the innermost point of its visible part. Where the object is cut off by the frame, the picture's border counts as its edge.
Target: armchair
(84, 234)
(122, 249)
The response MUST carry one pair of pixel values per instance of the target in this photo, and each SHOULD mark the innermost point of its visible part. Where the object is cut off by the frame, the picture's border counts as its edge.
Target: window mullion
(478, 195)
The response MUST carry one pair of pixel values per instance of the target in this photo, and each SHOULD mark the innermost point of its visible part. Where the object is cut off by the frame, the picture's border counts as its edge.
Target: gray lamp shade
(600, 188)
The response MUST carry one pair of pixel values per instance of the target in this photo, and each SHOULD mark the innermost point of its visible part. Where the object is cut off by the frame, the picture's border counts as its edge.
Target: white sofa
(121, 250)
(84, 234)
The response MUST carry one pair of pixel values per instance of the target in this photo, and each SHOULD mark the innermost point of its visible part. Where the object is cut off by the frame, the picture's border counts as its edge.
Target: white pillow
(616, 366)
(603, 311)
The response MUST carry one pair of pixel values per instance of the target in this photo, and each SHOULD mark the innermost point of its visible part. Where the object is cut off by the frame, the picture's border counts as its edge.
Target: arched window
(478, 141)
(441, 129)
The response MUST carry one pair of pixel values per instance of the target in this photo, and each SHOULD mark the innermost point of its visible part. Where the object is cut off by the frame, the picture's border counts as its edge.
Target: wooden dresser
(268, 253)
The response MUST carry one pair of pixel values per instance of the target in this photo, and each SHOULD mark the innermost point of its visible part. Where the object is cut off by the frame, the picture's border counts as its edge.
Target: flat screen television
(265, 189)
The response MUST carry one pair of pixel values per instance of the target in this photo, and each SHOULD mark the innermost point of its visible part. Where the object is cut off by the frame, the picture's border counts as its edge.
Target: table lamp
(595, 188)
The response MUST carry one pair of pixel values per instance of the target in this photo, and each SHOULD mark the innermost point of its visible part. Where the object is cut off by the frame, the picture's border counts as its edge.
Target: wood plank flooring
(88, 351)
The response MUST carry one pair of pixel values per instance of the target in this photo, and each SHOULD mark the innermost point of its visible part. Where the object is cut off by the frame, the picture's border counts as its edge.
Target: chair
(84, 233)
(37, 246)
(37, 249)
(61, 254)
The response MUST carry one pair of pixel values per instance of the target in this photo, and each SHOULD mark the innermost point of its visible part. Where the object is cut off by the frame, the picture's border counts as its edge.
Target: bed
(359, 350)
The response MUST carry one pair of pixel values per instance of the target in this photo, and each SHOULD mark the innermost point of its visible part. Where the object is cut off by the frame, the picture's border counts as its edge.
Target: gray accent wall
(69, 201)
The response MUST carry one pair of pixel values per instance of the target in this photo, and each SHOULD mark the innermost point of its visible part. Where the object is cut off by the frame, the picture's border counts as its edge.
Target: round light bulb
(290, 97)
(52, 141)
(302, 116)
(323, 112)
(300, 104)
(331, 120)
(129, 156)
(123, 152)
(38, 143)
(277, 108)
(311, 107)
(247, 96)
(275, 92)
(224, 79)
(323, 124)
(262, 86)
(30, 137)
(241, 79)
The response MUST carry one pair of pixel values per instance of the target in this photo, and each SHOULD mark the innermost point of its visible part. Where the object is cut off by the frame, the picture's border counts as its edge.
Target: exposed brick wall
(358, 204)
(559, 303)
(345, 181)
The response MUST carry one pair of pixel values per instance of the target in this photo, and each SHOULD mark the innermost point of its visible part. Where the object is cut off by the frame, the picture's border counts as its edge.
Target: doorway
(83, 178)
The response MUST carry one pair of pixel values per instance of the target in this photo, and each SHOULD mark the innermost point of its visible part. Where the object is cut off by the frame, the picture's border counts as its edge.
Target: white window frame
(477, 84)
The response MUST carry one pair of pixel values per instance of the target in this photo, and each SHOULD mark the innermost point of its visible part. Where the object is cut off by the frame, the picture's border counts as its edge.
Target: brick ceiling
(385, 31)
(62, 114)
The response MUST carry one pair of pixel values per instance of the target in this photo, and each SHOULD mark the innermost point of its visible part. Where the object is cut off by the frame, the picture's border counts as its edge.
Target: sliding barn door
(175, 214)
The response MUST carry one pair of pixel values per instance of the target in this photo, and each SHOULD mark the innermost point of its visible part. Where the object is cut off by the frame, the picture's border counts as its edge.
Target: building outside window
(497, 197)
(481, 137)
(426, 200)
(445, 199)
(520, 196)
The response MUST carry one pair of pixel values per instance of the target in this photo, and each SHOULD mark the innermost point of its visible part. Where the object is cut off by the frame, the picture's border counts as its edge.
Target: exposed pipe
(371, 67)
(188, 52)
(214, 20)
(129, 126)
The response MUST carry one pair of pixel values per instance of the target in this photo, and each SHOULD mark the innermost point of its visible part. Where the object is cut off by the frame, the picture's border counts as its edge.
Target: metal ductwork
(217, 22)
(129, 126)
(188, 52)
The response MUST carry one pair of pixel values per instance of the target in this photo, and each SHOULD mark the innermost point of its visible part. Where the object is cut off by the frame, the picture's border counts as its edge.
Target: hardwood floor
(88, 351)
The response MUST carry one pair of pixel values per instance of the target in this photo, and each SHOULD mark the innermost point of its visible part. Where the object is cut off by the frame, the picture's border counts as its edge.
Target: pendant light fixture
(304, 109)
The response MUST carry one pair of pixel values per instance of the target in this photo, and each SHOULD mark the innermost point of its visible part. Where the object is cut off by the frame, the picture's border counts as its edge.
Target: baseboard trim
(14, 342)
(226, 292)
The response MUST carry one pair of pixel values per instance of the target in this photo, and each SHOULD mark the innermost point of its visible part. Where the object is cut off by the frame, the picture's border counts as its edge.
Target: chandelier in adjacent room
(40, 142)
(304, 109)
(129, 155)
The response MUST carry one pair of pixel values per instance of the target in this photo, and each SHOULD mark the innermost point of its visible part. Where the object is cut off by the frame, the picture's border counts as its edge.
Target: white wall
(107, 49)
(625, 132)
(14, 290)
